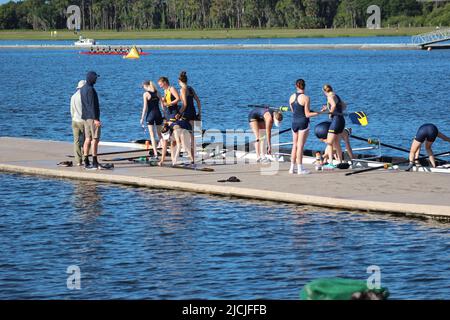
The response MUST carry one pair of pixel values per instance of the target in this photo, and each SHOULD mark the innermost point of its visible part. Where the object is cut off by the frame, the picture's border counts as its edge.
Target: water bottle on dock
(318, 162)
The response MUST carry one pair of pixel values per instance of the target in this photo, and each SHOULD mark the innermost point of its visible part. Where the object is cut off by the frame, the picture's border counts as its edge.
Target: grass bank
(211, 34)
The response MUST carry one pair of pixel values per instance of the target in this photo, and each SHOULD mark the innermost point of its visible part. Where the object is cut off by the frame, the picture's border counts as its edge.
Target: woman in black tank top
(151, 114)
(337, 107)
(187, 110)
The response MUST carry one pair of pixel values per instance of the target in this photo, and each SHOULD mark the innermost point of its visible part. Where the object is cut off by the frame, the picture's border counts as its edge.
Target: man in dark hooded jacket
(91, 116)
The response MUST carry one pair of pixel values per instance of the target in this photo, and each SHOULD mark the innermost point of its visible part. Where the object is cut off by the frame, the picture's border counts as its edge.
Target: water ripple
(200, 247)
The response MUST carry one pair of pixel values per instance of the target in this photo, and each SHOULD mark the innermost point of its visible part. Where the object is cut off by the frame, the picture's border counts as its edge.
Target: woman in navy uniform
(336, 107)
(263, 119)
(151, 114)
(301, 113)
(427, 134)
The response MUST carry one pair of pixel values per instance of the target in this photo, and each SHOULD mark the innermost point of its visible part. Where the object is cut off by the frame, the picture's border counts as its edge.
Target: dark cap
(92, 74)
(91, 77)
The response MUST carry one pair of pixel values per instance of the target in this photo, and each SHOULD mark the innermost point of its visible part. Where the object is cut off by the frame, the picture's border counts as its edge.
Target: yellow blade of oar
(362, 118)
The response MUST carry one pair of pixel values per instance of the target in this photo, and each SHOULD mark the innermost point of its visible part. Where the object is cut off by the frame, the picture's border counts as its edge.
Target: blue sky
(4, 1)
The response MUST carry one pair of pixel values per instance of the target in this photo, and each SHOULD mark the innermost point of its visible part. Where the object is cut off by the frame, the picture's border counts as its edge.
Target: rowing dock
(392, 192)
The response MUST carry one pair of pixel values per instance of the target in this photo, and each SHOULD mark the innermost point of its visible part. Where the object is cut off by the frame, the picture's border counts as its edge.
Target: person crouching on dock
(321, 132)
(177, 134)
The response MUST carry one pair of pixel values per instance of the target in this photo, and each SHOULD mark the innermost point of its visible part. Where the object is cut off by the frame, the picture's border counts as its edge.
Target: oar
(116, 152)
(359, 117)
(375, 141)
(282, 108)
(388, 165)
(276, 134)
(124, 159)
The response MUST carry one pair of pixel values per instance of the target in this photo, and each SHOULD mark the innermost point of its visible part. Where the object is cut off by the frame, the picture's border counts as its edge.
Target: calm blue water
(127, 246)
(208, 247)
(365, 40)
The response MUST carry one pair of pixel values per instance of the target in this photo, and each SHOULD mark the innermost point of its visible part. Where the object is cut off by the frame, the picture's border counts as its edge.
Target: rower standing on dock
(427, 133)
(169, 100)
(77, 124)
(151, 113)
(300, 107)
(91, 117)
(336, 108)
(187, 111)
(263, 119)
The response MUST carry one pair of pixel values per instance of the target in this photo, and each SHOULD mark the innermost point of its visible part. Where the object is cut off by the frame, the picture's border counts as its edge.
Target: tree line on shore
(128, 15)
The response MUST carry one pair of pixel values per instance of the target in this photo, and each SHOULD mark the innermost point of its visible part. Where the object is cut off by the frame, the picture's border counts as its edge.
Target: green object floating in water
(341, 289)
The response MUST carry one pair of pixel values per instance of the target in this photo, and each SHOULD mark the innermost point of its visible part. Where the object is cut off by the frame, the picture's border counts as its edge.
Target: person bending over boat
(177, 135)
(170, 100)
(91, 116)
(321, 132)
(151, 113)
(427, 134)
(301, 113)
(187, 110)
(182, 131)
(263, 119)
(336, 107)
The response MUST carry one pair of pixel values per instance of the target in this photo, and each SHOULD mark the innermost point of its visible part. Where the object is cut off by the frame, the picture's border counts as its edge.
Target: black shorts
(154, 119)
(189, 117)
(337, 125)
(300, 124)
(428, 132)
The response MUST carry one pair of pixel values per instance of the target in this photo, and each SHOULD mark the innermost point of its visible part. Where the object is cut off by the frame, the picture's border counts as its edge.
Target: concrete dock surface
(383, 191)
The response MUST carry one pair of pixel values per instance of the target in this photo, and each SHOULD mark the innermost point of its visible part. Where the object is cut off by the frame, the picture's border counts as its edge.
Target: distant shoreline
(159, 34)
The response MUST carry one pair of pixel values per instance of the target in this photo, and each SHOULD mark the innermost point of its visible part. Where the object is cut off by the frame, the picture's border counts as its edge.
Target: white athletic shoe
(304, 172)
(263, 160)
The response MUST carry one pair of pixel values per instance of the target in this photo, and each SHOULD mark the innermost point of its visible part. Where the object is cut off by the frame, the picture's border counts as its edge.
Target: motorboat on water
(85, 42)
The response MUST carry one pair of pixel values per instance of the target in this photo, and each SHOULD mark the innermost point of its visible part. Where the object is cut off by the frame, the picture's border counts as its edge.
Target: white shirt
(75, 107)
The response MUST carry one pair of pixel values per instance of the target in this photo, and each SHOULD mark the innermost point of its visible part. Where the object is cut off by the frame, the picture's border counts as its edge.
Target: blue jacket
(89, 99)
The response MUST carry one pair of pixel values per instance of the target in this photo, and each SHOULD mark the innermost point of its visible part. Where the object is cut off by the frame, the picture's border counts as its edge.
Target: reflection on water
(86, 200)
(158, 244)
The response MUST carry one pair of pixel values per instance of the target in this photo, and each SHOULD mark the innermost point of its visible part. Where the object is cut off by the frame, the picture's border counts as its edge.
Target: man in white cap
(77, 124)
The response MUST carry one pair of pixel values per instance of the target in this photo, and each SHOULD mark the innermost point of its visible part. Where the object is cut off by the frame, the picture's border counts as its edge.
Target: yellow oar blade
(359, 118)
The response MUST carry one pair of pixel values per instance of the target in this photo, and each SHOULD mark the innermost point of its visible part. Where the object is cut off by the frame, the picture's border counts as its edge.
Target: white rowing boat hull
(280, 157)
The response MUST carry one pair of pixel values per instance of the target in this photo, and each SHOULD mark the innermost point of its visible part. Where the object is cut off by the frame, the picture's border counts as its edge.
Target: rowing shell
(284, 155)
(177, 166)
(363, 164)
(100, 53)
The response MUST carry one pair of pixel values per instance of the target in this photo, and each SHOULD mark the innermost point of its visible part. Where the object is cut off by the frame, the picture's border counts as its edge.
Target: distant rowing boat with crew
(110, 53)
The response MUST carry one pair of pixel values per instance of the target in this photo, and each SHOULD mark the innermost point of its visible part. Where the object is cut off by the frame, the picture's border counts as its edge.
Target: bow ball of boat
(388, 191)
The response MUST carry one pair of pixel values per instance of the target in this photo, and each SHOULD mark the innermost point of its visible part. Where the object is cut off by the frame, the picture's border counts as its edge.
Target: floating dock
(405, 193)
